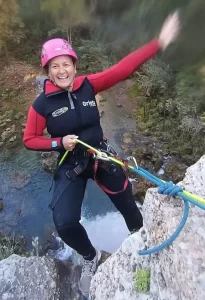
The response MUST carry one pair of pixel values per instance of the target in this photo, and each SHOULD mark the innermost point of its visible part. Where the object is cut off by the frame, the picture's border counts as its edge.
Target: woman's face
(62, 70)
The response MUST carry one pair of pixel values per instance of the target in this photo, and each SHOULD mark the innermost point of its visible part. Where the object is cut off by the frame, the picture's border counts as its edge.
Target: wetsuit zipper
(77, 109)
(78, 113)
(72, 106)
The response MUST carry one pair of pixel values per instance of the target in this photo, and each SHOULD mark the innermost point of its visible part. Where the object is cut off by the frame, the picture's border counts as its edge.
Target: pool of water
(26, 207)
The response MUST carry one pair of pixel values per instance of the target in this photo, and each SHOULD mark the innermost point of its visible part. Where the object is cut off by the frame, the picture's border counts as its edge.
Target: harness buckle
(110, 168)
(71, 174)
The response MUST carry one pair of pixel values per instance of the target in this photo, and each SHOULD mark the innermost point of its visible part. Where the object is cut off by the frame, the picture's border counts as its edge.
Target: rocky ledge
(175, 273)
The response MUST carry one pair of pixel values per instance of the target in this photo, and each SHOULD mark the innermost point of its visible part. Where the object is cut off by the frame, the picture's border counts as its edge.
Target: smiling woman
(61, 71)
(68, 109)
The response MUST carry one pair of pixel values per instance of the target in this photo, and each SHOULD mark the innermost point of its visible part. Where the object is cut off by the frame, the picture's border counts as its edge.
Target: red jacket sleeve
(122, 70)
(33, 138)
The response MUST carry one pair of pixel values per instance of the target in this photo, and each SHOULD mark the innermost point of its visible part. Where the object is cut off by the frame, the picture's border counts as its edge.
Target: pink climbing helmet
(56, 47)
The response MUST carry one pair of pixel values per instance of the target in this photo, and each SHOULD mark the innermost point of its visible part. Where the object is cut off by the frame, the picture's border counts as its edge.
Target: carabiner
(101, 155)
(130, 158)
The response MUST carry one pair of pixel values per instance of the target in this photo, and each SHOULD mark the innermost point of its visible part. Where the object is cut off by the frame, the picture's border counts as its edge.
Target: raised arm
(108, 78)
(122, 70)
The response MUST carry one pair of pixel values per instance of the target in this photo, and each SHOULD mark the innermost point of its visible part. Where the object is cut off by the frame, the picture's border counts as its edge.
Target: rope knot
(170, 189)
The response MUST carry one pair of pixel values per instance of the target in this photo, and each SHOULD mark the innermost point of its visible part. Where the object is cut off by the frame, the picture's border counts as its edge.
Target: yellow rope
(104, 155)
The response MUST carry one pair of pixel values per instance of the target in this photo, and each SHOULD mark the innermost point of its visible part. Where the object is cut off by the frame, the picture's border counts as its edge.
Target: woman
(68, 109)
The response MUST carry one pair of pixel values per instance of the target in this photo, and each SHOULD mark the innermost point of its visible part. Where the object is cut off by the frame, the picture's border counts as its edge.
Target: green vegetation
(11, 245)
(168, 91)
(171, 106)
(134, 91)
(142, 280)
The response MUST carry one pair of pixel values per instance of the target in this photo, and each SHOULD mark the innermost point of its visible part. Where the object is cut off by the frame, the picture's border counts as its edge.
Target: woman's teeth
(63, 78)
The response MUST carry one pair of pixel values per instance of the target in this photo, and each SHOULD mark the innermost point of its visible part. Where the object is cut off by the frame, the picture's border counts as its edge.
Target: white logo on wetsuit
(89, 103)
(59, 111)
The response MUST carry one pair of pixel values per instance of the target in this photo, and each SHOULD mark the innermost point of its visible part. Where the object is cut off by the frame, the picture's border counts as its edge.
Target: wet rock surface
(49, 161)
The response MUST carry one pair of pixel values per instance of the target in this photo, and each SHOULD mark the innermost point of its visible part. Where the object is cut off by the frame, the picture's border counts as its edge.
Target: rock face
(177, 272)
(38, 278)
(28, 278)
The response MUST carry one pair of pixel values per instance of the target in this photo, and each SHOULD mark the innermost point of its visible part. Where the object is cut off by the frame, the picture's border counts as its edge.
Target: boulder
(28, 278)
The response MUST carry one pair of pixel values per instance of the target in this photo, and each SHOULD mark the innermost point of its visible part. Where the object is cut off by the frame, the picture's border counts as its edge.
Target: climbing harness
(164, 188)
(110, 168)
(101, 160)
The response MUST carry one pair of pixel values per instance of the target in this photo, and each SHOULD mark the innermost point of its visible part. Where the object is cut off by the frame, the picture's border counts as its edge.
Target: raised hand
(170, 30)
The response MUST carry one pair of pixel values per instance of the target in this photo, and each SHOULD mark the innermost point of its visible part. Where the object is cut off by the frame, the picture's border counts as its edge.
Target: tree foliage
(10, 24)
(68, 14)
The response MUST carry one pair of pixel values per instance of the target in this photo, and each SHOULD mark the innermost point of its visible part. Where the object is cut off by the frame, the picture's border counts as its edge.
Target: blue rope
(173, 237)
(148, 176)
(156, 179)
(153, 179)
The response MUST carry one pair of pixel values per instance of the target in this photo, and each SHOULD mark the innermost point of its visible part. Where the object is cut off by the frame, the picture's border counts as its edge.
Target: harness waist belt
(79, 153)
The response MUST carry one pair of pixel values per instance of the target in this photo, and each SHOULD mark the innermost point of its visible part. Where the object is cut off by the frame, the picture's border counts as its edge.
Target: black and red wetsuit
(76, 112)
